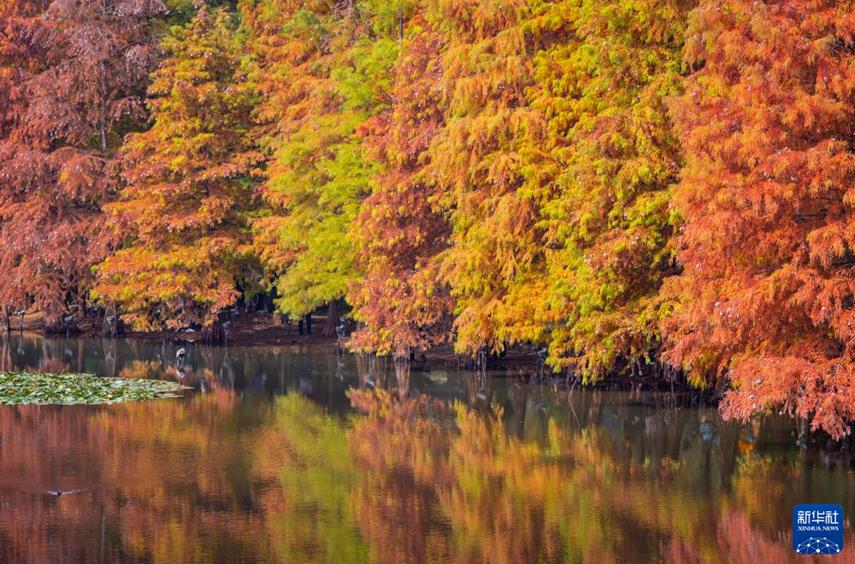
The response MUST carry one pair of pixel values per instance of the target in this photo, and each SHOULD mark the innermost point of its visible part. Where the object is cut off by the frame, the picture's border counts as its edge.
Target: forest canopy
(625, 186)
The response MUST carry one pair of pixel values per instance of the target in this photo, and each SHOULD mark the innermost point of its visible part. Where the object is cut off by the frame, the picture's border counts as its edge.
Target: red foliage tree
(399, 231)
(768, 247)
(70, 74)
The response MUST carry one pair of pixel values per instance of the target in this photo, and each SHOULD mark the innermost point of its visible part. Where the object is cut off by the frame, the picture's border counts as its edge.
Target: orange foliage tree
(768, 247)
(189, 186)
(476, 162)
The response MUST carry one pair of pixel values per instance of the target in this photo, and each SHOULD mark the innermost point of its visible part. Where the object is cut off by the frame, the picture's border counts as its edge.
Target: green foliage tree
(600, 158)
(318, 173)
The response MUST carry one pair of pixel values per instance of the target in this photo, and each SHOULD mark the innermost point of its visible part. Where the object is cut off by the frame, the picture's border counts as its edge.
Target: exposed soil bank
(246, 329)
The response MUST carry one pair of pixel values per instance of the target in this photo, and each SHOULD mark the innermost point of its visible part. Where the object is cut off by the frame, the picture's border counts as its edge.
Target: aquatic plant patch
(69, 389)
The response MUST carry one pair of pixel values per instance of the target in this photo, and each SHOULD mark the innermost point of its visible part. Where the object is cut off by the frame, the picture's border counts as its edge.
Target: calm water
(267, 461)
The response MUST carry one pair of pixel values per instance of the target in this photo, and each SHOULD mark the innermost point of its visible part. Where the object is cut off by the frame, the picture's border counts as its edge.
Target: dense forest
(639, 186)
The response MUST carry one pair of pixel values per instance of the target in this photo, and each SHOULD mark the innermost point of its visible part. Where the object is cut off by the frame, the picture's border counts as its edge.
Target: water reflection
(272, 464)
(317, 372)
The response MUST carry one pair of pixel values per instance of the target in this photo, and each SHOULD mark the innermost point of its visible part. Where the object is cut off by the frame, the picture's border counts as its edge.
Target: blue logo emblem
(818, 528)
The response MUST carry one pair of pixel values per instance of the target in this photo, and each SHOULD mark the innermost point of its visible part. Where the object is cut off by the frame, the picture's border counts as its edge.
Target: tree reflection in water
(230, 476)
(452, 484)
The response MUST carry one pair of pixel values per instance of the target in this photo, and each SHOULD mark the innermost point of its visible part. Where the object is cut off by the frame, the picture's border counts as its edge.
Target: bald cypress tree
(766, 292)
(189, 186)
(72, 78)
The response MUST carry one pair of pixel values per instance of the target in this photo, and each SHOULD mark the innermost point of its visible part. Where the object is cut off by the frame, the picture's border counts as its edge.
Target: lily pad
(70, 389)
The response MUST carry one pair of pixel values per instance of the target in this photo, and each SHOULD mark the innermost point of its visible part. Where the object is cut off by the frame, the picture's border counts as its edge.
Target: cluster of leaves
(621, 182)
(768, 246)
(330, 69)
(72, 80)
(66, 389)
(188, 186)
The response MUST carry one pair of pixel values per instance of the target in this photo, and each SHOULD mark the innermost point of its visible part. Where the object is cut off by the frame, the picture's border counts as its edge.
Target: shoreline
(264, 329)
(247, 329)
(261, 329)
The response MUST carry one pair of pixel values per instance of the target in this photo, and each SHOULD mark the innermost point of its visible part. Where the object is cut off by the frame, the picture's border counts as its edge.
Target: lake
(268, 460)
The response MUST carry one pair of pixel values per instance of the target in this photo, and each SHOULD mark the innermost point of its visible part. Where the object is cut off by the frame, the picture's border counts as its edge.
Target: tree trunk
(83, 307)
(111, 321)
(402, 376)
(332, 319)
(216, 334)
